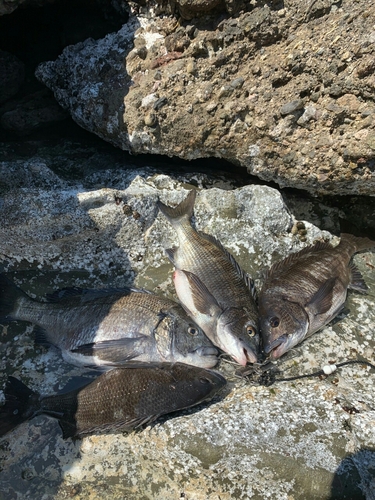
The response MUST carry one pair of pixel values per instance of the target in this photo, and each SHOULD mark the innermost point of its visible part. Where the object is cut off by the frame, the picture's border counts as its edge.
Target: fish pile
(158, 353)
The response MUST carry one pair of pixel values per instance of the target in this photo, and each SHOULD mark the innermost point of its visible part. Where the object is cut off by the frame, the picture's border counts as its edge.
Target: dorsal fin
(88, 294)
(288, 261)
(248, 280)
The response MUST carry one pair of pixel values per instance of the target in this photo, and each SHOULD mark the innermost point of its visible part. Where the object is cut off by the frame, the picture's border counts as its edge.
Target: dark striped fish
(120, 399)
(305, 291)
(214, 291)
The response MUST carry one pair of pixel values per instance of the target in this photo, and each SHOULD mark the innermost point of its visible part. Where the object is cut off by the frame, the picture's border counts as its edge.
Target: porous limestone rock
(283, 89)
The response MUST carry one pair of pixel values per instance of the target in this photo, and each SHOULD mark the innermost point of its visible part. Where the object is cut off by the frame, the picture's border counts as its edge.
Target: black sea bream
(106, 326)
(305, 291)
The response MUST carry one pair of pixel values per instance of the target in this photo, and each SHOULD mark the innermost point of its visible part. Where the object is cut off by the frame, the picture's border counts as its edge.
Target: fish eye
(250, 330)
(193, 331)
(274, 322)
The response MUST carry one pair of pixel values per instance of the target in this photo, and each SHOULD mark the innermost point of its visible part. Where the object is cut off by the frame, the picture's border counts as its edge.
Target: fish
(307, 290)
(105, 326)
(121, 399)
(212, 287)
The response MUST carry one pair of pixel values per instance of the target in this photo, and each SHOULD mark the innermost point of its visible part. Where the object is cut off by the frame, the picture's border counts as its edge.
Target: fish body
(306, 290)
(119, 399)
(102, 327)
(209, 283)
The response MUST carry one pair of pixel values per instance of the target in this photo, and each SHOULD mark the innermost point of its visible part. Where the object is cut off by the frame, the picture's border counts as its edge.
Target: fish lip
(246, 356)
(275, 343)
(206, 351)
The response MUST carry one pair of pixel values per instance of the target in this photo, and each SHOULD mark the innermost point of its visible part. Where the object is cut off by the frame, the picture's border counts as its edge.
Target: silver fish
(101, 327)
(211, 286)
(120, 399)
(305, 291)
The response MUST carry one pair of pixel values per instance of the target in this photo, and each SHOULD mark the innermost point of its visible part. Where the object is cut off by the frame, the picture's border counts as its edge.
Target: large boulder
(284, 90)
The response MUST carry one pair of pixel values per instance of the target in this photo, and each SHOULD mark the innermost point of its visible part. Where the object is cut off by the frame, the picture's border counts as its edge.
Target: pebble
(292, 106)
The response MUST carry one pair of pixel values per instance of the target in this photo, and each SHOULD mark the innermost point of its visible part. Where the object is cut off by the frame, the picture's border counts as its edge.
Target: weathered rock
(11, 76)
(33, 112)
(279, 55)
(311, 438)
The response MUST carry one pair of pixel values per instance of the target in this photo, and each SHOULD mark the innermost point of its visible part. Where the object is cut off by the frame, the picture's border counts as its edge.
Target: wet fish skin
(119, 399)
(306, 290)
(106, 326)
(210, 285)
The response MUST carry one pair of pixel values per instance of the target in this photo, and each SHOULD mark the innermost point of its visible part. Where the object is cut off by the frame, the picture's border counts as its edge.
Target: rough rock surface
(285, 89)
(8, 6)
(11, 76)
(311, 438)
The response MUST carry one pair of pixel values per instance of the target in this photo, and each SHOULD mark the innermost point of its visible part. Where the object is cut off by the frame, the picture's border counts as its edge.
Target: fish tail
(21, 404)
(356, 243)
(9, 295)
(183, 211)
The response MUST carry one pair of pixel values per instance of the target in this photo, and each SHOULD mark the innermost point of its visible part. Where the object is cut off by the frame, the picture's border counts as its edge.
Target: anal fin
(357, 282)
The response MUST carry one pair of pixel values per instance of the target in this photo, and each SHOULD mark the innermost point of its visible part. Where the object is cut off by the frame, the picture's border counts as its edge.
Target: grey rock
(293, 439)
(290, 107)
(11, 76)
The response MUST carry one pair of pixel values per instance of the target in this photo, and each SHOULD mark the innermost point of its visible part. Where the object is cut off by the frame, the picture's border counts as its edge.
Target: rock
(269, 61)
(290, 107)
(11, 77)
(33, 112)
(309, 438)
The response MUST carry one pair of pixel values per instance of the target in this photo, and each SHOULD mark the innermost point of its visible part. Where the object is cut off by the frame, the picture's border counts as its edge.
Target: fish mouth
(276, 348)
(275, 343)
(206, 351)
(245, 356)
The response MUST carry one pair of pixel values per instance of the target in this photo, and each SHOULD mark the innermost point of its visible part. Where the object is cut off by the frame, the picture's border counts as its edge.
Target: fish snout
(243, 355)
(206, 351)
(275, 343)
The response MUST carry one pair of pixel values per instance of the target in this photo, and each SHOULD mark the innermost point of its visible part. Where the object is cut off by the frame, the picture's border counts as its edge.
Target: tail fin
(9, 294)
(21, 403)
(356, 243)
(183, 211)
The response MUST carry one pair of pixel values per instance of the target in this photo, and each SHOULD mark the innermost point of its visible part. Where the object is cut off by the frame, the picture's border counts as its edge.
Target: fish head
(187, 343)
(283, 325)
(238, 334)
(196, 384)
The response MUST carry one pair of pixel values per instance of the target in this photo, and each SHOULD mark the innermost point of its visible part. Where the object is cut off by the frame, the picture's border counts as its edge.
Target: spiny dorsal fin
(88, 294)
(249, 282)
(290, 260)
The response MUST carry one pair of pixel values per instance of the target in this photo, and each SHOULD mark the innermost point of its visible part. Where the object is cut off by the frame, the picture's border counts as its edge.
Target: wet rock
(191, 8)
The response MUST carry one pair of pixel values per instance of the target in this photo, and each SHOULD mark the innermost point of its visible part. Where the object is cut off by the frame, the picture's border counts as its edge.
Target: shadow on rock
(354, 479)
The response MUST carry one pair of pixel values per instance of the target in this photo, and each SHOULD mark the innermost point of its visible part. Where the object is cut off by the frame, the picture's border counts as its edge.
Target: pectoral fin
(115, 351)
(321, 302)
(194, 294)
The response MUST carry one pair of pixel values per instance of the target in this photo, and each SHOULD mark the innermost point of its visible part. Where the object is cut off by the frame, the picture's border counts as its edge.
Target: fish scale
(120, 399)
(306, 290)
(209, 283)
(106, 326)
